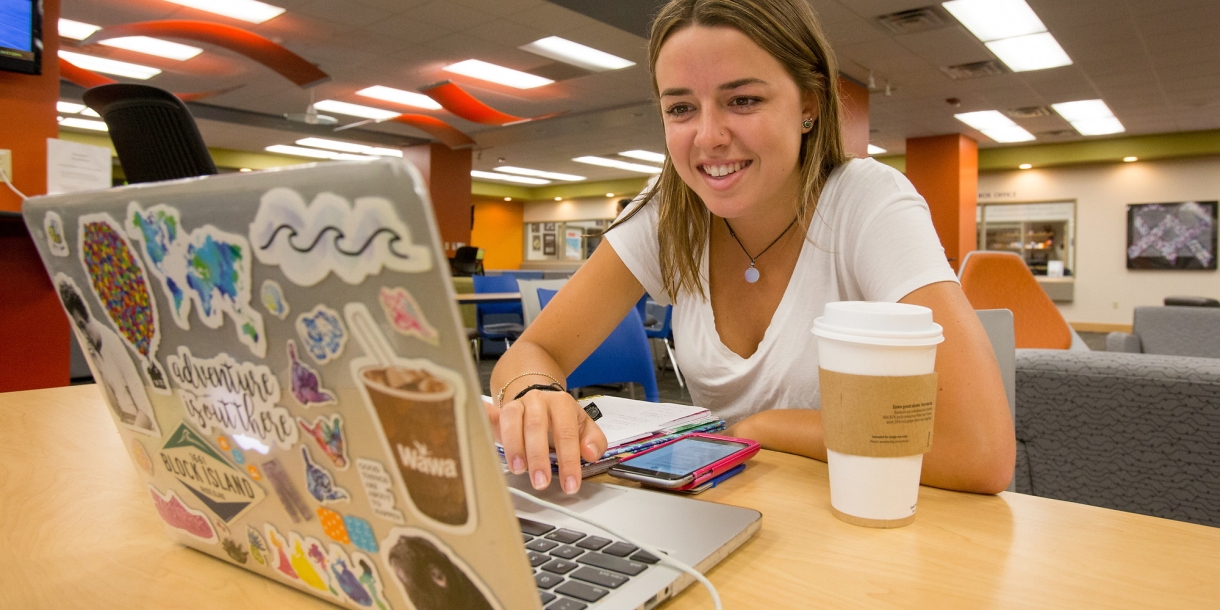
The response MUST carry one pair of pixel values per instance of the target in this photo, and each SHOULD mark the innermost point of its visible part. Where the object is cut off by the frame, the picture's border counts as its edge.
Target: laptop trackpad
(589, 496)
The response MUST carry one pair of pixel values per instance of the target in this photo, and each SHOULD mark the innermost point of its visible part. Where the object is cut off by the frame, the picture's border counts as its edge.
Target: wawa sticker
(420, 409)
(176, 514)
(306, 383)
(404, 314)
(205, 266)
(353, 240)
(224, 489)
(110, 362)
(120, 284)
(53, 226)
(430, 575)
(236, 397)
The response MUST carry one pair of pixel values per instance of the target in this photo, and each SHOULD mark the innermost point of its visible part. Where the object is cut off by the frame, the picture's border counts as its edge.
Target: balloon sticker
(379, 488)
(224, 489)
(117, 278)
(238, 398)
(430, 575)
(333, 526)
(286, 491)
(309, 241)
(320, 484)
(206, 266)
(306, 385)
(327, 431)
(57, 242)
(181, 517)
(273, 299)
(361, 533)
(322, 333)
(404, 314)
(110, 363)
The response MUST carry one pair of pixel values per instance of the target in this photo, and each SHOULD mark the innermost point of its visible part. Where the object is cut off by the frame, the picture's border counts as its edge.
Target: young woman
(756, 222)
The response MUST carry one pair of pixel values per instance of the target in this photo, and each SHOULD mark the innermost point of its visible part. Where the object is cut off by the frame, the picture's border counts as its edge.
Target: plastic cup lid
(878, 324)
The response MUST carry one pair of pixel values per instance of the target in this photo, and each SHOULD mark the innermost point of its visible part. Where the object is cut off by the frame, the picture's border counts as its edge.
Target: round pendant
(751, 275)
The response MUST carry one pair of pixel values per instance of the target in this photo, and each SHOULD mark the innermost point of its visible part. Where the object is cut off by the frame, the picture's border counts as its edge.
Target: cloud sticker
(353, 240)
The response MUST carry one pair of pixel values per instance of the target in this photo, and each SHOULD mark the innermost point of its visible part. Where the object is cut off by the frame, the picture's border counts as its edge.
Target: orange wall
(447, 172)
(945, 170)
(854, 117)
(34, 332)
(499, 230)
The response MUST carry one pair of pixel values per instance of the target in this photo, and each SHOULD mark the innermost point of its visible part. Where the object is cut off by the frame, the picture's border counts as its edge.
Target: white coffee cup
(893, 346)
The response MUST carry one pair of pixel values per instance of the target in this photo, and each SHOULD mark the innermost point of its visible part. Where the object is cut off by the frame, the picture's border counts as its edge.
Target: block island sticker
(57, 242)
(322, 334)
(419, 411)
(430, 575)
(205, 266)
(181, 517)
(404, 314)
(238, 398)
(327, 431)
(273, 299)
(109, 361)
(379, 488)
(120, 284)
(320, 483)
(353, 240)
(306, 383)
(224, 489)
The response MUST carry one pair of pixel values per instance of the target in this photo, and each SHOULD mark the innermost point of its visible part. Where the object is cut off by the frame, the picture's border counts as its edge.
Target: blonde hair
(790, 32)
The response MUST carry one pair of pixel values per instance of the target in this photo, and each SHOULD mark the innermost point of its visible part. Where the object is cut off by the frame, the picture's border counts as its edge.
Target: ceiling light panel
(994, 125)
(995, 19)
(250, 11)
(875, 150)
(644, 155)
(384, 152)
(364, 112)
(497, 74)
(1005, 135)
(398, 96)
(1032, 52)
(1082, 110)
(109, 66)
(76, 30)
(90, 112)
(84, 124)
(508, 178)
(298, 151)
(1098, 127)
(631, 167)
(153, 46)
(576, 54)
(69, 107)
(523, 171)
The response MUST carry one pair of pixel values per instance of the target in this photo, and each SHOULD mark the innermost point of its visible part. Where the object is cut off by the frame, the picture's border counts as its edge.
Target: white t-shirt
(871, 240)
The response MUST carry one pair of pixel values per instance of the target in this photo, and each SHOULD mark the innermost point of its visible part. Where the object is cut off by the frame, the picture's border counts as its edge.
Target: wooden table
(488, 297)
(77, 530)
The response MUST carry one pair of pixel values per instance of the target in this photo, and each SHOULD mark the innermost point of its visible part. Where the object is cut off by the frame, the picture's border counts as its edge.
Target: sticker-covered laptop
(285, 362)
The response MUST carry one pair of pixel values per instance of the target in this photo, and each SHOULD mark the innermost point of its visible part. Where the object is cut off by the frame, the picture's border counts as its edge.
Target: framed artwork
(536, 243)
(548, 244)
(1172, 235)
(534, 227)
(548, 227)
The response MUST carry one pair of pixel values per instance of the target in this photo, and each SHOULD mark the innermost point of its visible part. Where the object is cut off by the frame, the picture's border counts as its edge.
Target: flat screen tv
(21, 36)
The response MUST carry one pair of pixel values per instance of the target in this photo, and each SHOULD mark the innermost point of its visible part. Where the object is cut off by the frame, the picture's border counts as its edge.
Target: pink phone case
(714, 469)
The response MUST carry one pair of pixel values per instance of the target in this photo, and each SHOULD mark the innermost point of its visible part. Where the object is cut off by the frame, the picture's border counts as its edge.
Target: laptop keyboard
(573, 570)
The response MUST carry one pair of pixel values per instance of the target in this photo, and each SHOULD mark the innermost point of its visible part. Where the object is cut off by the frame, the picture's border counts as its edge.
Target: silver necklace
(752, 274)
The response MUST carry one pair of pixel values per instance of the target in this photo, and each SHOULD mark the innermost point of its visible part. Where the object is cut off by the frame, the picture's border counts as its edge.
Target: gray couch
(1171, 331)
(1131, 432)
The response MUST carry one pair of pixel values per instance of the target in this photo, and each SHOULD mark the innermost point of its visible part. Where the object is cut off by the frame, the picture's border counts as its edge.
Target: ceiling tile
(455, 17)
(551, 18)
(345, 13)
(409, 29)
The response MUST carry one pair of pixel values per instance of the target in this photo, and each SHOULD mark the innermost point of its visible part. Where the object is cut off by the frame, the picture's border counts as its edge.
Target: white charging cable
(664, 557)
(4, 176)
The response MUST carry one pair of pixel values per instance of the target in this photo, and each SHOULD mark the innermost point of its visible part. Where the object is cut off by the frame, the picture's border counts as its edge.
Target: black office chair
(153, 132)
(466, 262)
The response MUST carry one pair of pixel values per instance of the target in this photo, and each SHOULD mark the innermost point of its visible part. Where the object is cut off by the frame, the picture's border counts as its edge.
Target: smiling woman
(756, 222)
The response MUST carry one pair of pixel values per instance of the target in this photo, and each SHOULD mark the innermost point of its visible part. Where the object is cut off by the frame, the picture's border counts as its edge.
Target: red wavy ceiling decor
(80, 76)
(458, 101)
(284, 62)
(442, 131)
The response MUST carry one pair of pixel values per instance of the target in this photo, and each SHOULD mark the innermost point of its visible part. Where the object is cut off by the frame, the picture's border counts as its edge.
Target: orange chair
(1001, 280)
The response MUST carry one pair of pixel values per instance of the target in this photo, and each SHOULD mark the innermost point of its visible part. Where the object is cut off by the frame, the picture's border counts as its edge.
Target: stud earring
(807, 124)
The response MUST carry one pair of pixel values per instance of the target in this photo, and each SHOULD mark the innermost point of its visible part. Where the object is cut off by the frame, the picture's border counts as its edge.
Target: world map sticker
(224, 489)
(205, 267)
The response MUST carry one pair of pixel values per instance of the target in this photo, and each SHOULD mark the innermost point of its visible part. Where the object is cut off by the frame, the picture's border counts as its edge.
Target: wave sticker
(206, 266)
(353, 240)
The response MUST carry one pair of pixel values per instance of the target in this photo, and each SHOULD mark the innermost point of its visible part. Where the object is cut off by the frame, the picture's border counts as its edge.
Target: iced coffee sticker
(878, 416)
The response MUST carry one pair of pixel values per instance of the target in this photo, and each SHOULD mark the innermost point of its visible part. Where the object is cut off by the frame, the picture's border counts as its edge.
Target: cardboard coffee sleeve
(878, 416)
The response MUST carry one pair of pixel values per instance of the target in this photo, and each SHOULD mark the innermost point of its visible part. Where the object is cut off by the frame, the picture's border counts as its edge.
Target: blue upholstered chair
(662, 330)
(622, 358)
(498, 321)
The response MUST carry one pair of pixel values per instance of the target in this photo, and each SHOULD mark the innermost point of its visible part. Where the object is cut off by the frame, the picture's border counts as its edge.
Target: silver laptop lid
(284, 361)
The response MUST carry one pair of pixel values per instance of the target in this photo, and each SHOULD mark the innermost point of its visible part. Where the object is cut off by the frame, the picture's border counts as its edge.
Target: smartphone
(686, 462)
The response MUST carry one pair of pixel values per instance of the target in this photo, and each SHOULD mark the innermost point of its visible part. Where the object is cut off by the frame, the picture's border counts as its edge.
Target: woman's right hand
(529, 427)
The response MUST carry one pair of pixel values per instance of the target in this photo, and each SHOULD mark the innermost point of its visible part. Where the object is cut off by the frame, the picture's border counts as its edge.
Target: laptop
(285, 362)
